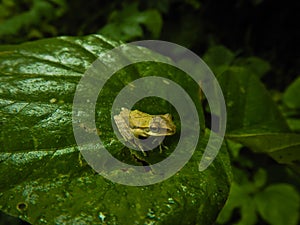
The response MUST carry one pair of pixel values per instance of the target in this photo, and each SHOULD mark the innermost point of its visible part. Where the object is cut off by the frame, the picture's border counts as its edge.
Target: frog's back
(139, 119)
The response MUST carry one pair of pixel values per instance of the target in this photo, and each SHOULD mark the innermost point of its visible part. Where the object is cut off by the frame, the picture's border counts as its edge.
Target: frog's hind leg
(145, 164)
(142, 149)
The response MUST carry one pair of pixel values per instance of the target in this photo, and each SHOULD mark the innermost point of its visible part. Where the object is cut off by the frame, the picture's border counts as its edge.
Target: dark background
(264, 28)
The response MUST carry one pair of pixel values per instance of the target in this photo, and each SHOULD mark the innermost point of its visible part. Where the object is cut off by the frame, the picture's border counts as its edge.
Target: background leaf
(39, 12)
(284, 148)
(291, 95)
(128, 23)
(257, 66)
(247, 101)
(249, 123)
(285, 202)
(239, 198)
(218, 58)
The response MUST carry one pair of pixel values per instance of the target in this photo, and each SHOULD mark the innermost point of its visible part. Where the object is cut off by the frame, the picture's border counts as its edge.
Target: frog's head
(161, 125)
(145, 125)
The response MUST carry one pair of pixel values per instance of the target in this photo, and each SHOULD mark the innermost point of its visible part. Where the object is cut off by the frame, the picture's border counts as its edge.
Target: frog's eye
(154, 129)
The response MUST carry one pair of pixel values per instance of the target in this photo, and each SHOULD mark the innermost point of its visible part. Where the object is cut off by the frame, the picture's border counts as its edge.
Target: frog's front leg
(161, 146)
(139, 145)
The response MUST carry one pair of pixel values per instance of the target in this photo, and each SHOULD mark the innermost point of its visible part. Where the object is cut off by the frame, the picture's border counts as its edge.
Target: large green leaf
(254, 119)
(44, 178)
(249, 105)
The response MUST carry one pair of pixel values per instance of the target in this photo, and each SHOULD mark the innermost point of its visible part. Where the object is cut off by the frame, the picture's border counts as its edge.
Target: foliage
(275, 203)
(245, 95)
(267, 133)
(35, 20)
(125, 25)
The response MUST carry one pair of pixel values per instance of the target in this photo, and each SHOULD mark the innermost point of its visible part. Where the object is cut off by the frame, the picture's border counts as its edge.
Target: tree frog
(135, 124)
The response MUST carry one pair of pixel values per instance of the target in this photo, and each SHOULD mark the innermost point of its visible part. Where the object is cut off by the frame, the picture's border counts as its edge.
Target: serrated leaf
(279, 204)
(44, 179)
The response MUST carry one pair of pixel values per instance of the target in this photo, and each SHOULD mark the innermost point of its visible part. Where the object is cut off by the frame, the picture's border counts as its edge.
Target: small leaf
(279, 204)
(291, 95)
(239, 198)
(294, 124)
(127, 24)
(260, 178)
(248, 212)
(256, 65)
(218, 58)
